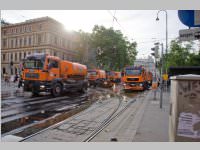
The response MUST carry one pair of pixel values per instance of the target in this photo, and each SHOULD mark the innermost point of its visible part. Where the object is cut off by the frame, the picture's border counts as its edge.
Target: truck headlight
(124, 84)
(141, 84)
(42, 86)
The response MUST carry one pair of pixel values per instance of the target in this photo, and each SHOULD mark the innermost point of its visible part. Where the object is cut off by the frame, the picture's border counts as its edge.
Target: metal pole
(161, 80)
(166, 32)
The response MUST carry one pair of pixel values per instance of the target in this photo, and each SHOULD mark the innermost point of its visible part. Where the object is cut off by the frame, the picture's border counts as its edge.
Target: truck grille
(32, 75)
(132, 79)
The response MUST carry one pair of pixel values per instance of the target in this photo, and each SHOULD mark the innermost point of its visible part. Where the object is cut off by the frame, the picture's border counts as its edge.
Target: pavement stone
(155, 121)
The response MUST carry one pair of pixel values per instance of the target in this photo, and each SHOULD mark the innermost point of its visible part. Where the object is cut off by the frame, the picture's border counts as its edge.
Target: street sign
(190, 18)
(197, 17)
(165, 77)
(189, 34)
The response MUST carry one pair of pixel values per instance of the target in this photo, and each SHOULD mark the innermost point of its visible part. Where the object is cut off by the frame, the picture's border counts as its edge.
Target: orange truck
(96, 77)
(135, 78)
(112, 77)
(45, 73)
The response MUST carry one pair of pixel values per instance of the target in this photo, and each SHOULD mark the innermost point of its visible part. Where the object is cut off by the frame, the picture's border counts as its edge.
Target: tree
(181, 55)
(4, 22)
(113, 50)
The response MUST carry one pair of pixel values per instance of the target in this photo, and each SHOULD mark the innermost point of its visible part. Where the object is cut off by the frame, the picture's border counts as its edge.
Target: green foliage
(181, 56)
(113, 50)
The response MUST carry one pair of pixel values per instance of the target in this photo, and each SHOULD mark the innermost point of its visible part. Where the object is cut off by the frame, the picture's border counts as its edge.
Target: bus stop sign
(190, 18)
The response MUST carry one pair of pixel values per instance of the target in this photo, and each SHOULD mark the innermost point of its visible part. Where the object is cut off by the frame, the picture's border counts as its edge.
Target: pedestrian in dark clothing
(20, 82)
(16, 77)
(158, 82)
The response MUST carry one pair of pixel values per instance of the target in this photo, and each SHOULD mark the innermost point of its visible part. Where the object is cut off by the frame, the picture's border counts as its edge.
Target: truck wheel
(57, 90)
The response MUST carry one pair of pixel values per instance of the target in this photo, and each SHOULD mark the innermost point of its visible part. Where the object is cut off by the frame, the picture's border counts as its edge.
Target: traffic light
(155, 51)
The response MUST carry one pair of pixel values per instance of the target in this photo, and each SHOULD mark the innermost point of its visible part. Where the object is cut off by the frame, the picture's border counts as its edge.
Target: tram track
(107, 121)
(57, 107)
(118, 110)
(74, 118)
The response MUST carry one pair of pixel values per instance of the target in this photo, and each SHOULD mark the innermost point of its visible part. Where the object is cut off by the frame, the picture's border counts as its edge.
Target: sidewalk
(154, 123)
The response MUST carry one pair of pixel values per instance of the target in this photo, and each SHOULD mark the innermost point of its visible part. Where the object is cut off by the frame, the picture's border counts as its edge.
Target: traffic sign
(189, 34)
(165, 77)
(197, 17)
(190, 18)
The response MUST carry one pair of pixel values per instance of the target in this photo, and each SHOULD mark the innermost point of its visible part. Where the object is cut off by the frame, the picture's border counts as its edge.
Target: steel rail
(107, 122)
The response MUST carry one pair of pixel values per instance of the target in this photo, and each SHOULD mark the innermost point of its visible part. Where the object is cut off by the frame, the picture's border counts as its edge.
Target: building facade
(41, 35)
(148, 63)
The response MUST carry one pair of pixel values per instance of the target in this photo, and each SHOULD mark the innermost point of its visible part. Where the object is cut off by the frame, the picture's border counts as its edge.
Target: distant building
(148, 63)
(41, 35)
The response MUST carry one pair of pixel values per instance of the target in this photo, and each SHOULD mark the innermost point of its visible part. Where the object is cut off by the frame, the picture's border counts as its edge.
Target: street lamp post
(161, 72)
(157, 19)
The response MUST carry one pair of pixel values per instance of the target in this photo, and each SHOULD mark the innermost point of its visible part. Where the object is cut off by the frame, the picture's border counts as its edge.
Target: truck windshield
(33, 64)
(133, 72)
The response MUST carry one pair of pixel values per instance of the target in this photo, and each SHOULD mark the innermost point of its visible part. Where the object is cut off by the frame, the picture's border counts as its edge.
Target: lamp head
(157, 19)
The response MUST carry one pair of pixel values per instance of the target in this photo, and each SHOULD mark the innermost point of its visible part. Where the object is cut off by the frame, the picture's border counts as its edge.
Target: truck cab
(96, 77)
(134, 78)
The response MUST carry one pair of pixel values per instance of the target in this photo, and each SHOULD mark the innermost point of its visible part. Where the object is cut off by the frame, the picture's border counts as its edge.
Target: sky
(138, 25)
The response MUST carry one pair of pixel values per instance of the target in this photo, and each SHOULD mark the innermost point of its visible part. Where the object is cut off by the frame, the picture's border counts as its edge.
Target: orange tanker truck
(45, 73)
(135, 78)
(96, 77)
(112, 77)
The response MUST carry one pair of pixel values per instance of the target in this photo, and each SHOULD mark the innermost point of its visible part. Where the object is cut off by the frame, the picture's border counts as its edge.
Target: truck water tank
(73, 69)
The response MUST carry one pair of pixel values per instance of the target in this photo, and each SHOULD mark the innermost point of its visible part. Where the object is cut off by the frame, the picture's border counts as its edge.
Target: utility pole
(161, 79)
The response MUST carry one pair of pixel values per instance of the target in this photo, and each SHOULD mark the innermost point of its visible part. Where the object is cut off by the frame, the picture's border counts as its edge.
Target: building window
(30, 28)
(29, 53)
(12, 43)
(25, 29)
(63, 42)
(4, 57)
(4, 42)
(4, 70)
(15, 56)
(24, 54)
(29, 40)
(39, 39)
(25, 41)
(40, 27)
(4, 32)
(11, 56)
(55, 40)
(16, 42)
(20, 42)
(20, 56)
